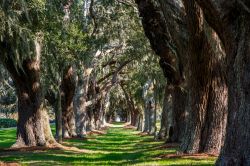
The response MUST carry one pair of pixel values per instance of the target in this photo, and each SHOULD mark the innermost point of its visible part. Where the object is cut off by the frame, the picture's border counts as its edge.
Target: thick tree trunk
(81, 115)
(80, 103)
(32, 126)
(106, 106)
(236, 150)
(137, 117)
(152, 115)
(46, 128)
(166, 114)
(149, 108)
(102, 121)
(68, 90)
(231, 20)
(157, 32)
(29, 126)
(128, 116)
(179, 114)
(90, 120)
(139, 124)
(146, 120)
(133, 112)
(134, 116)
(98, 111)
(207, 105)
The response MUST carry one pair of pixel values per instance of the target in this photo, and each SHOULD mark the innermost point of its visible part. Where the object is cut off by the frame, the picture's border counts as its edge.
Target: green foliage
(5, 123)
(19, 25)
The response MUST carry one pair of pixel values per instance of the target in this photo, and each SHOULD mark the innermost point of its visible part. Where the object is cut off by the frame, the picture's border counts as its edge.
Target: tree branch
(92, 15)
(244, 6)
(127, 3)
(217, 14)
(110, 83)
(115, 73)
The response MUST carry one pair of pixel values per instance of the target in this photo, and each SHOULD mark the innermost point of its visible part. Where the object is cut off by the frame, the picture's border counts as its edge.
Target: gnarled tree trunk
(140, 121)
(33, 125)
(134, 113)
(98, 111)
(166, 115)
(150, 105)
(146, 120)
(207, 105)
(149, 108)
(179, 114)
(231, 20)
(67, 92)
(80, 103)
(157, 32)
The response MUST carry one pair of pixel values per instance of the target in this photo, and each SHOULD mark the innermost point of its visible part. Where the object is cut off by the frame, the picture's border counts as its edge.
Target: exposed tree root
(104, 128)
(55, 146)
(96, 132)
(129, 127)
(169, 145)
(187, 156)
(9, 164)
(143, 134)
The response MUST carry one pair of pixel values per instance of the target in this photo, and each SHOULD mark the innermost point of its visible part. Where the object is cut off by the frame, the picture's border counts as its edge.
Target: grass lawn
(119, 146)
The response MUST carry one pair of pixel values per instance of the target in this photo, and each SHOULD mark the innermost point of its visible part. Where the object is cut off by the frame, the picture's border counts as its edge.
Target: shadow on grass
(118, 147)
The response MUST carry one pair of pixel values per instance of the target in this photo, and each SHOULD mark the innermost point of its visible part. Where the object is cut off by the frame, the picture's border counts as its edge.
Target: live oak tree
(202, 135)
(93, 58)
(21, 46)
(65, 45)
(167, 33)
(230, 19)
(166, 116)
(207, 90)
(116, 55)
(46, 45)
(67, 93)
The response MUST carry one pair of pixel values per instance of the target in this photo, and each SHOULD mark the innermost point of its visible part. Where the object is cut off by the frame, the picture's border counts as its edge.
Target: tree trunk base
(46, 140)
(23, 147)
(233, 160)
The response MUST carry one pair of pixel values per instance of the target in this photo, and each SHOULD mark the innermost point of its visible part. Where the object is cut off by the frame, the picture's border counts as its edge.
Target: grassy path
(119, 146)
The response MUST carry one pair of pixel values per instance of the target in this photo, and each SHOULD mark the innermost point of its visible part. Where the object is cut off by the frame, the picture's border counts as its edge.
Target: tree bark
(32, 126)
(207, 105)
(136, 117)
(90, 120)
(129, 116)
(58, 112)
(166, 114)
(231, 20)
(146, 120)
(139, 124)
(67, 91)
(80, 103)
(134, 113)
(156, 30)
(179, 114)
(98, 111)
(151, 108)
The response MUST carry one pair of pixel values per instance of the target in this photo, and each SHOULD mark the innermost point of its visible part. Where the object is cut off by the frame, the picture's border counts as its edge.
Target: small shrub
(5, 123)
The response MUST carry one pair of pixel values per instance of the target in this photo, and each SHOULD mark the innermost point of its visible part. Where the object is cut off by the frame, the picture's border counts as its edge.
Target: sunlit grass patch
(119, 146)
(7, 138)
